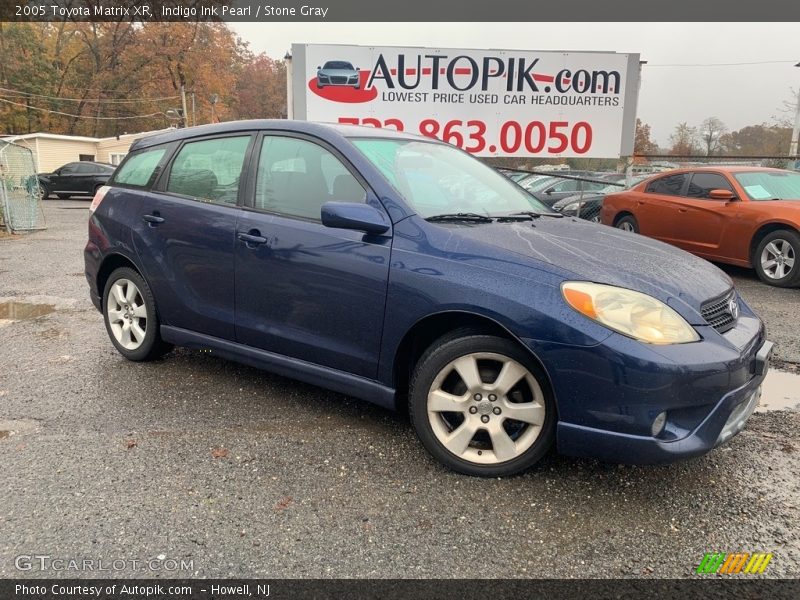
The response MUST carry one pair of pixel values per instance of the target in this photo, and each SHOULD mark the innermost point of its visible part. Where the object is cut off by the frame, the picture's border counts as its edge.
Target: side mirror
(721, 195)
(549, 192)
(318, 68)
(354, 215)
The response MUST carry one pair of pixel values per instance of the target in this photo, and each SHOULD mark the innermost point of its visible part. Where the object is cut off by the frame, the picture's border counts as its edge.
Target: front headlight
(630, 313)
(571, 206)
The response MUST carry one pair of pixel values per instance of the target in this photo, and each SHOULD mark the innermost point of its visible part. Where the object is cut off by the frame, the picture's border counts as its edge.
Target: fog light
(658, 424)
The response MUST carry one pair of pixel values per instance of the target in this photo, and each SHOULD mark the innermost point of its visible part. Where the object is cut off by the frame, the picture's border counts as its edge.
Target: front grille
(721, 313)
(339, 80)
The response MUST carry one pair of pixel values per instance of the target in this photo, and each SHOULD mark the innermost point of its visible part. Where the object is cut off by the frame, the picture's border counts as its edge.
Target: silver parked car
(338, 72)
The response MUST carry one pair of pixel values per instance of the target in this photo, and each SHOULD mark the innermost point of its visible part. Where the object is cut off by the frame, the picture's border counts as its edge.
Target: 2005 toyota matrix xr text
(400, 270)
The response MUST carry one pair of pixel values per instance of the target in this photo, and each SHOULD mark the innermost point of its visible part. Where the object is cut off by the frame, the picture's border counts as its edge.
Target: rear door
(186, 231)
(83, 180)
(656, 208)
(302, 289)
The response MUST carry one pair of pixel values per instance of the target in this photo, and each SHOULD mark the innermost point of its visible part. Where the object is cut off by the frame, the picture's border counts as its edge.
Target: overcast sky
(739, 95)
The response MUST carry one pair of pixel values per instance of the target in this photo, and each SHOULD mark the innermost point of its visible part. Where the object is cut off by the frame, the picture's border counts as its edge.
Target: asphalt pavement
(234, 472)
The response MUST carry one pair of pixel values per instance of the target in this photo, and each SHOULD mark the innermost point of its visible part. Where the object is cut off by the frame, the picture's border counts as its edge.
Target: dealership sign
(488, 102)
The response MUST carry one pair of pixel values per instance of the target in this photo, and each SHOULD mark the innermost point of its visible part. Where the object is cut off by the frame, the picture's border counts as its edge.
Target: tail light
(98, 197)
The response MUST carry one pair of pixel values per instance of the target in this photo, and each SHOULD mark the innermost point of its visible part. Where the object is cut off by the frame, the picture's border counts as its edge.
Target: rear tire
(129, 311)
(628, 223)
(777, 259)
(463, 393)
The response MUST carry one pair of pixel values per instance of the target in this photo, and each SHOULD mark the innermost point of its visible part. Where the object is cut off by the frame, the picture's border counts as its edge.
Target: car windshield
(338, 64)
(770, 185)
(439, 179)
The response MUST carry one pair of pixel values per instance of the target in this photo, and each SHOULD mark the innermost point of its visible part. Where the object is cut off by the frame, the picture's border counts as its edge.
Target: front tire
(481, 406)
(129, 311)
(776, 259)
(628, 223)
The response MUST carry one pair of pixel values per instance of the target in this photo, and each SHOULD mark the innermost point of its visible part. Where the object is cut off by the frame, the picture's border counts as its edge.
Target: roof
(323, 130)
(724, 168)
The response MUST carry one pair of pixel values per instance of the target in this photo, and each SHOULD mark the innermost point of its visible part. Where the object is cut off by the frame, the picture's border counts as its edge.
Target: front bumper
(610, 395)
(726, 419)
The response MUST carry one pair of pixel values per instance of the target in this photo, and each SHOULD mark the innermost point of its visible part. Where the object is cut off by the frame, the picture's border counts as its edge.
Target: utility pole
(287, 59)
(183, 106)
(796, 130)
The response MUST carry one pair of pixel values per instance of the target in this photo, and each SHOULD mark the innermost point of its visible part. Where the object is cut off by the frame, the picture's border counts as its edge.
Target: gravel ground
(246, 474)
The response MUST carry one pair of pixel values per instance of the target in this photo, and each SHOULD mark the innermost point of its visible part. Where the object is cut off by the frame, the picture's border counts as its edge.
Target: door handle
(252, 238)
(153, 219)
(683, 210)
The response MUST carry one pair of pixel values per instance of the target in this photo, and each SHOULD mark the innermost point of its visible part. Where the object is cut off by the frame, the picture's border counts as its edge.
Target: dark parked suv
(400, 270)
(75, 179)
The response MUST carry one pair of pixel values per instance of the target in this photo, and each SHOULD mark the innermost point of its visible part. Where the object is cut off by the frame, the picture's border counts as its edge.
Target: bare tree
(711, 130)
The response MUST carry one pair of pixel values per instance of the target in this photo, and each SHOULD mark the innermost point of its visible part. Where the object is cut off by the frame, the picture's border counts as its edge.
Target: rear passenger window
(139, 167)
(296, 177)
(702, 184)
(209, 170)
(672, 185)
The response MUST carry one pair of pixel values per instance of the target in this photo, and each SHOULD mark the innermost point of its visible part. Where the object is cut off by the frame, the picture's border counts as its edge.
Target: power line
(57, 112)
(736, 64)
(95, 101)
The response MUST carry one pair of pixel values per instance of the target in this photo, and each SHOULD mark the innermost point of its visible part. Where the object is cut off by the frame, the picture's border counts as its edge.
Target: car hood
(602, 254)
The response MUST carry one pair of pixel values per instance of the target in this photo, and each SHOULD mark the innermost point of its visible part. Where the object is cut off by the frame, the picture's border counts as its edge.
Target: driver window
(702, 183)
(296, 177)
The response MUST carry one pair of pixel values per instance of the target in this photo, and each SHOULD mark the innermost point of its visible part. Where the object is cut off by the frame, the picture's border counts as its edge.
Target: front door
(702, 220)
(302, 289)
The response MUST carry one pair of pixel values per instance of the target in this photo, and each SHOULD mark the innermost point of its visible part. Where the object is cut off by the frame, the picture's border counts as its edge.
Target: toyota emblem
(733, 307)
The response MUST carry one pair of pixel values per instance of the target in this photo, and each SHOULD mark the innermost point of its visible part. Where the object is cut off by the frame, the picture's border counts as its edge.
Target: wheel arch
(428, 329)
(111, 263)
(623, 213)
(763, 231)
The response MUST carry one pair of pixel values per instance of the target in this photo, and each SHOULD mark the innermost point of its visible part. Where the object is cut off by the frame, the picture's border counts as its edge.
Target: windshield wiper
(475, 217)
(536, 215)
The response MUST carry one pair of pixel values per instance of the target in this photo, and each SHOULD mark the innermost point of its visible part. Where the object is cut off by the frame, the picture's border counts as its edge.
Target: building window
(116, 157)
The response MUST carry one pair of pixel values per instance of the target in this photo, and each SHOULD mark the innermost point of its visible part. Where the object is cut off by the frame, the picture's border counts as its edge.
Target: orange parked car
(745, 216)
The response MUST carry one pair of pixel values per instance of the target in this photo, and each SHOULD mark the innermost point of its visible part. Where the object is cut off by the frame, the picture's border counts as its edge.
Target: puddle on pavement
(780, 391)
(16, 311)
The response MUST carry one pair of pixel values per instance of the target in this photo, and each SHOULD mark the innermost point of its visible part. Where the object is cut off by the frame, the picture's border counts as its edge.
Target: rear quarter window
(138, 168)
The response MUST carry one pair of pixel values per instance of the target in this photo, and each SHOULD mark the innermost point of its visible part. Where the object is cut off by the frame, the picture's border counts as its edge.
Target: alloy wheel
(626, 226)
(777, 259)
(127, 314)
(486, 408)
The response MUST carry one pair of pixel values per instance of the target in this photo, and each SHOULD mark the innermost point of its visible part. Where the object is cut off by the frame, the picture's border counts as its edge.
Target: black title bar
(266, 11)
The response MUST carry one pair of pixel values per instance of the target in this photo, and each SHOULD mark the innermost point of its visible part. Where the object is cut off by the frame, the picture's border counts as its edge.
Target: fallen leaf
(131, 444)
(283, 503)
(220, 453)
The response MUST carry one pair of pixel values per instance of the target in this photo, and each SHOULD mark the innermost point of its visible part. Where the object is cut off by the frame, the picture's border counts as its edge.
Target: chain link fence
(572, 193)
(20, 196)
